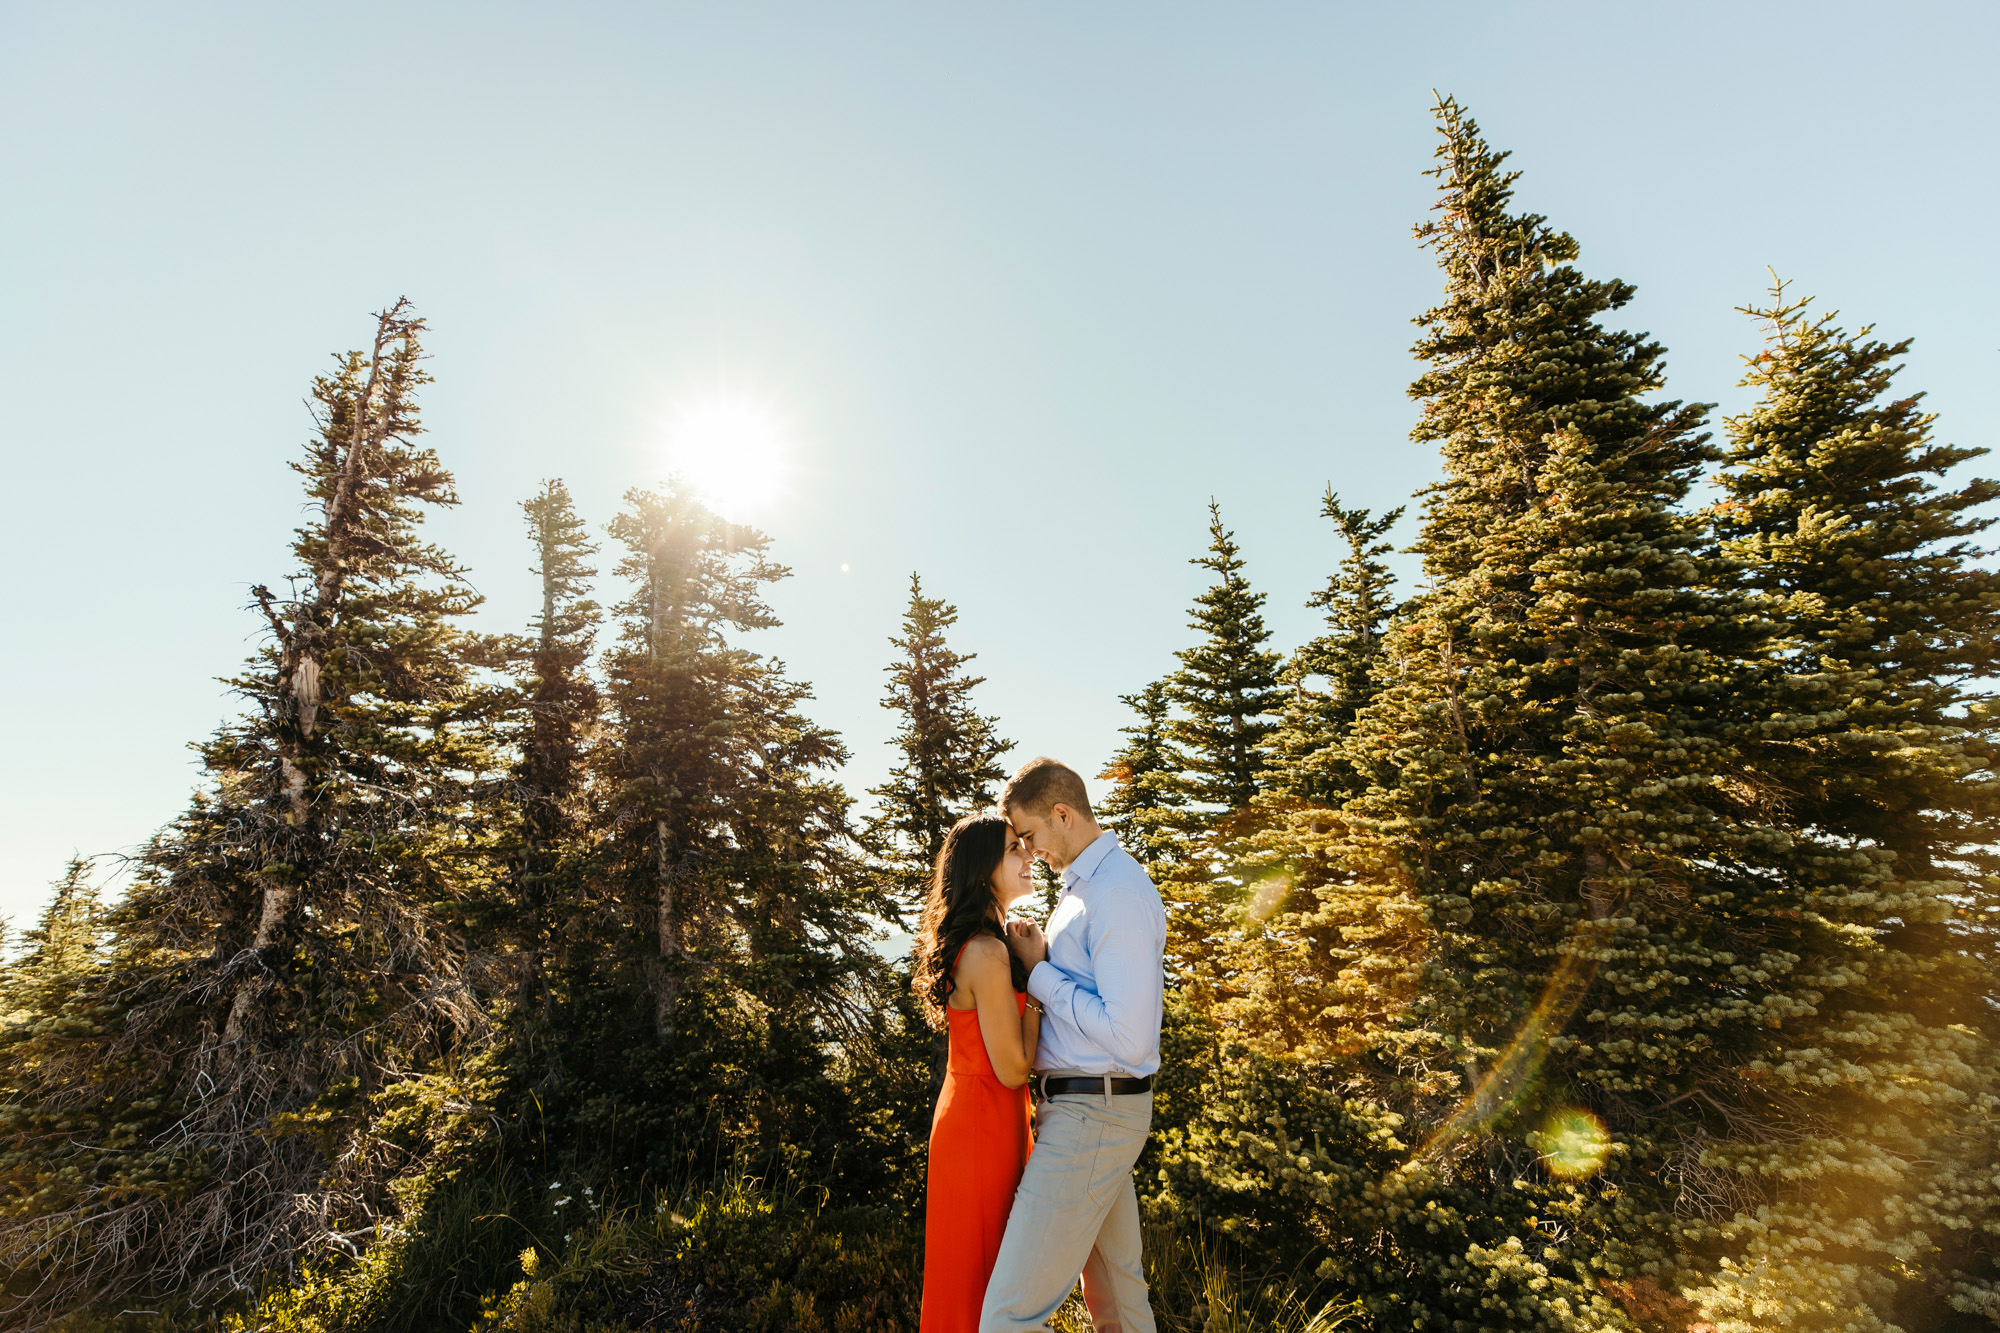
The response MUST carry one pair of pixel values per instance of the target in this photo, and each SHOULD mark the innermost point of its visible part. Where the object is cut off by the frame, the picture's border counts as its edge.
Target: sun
(732, 449)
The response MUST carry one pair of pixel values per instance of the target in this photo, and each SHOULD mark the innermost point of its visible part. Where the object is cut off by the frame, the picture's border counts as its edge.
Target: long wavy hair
(959, 905)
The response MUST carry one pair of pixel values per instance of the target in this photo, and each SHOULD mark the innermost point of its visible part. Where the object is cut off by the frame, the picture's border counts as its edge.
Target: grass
(1196, 1288)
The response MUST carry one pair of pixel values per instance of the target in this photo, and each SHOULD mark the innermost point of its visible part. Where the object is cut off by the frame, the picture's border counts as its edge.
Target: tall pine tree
(727, 945)
(1574, 927)
(1829, 512)
(1227, 686)
(949, 751)
(1227, 693)
(1828, 507)
(1147, 804)
(286, 960)
(1240, 944)
(554, 712)
(1358, 600)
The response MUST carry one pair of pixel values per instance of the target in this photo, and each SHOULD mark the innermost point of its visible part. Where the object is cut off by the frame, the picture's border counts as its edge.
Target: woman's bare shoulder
(983, 953)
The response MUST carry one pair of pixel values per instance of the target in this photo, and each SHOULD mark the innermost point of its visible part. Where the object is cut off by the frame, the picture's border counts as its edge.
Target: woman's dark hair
(959, 905)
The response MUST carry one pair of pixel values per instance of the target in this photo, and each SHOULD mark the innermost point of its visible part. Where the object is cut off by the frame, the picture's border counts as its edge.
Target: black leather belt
(1056, 1087)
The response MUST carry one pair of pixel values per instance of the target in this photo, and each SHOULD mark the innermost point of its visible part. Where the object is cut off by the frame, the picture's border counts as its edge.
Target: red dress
(979, 1143)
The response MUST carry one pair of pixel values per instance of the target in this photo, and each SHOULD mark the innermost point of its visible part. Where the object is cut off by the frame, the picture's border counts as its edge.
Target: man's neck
(1088, 835)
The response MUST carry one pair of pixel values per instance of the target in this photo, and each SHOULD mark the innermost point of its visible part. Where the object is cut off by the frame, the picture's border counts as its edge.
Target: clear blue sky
(1030, 282)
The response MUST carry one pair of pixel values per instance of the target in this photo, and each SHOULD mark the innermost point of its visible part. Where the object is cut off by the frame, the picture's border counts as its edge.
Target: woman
(970, 984)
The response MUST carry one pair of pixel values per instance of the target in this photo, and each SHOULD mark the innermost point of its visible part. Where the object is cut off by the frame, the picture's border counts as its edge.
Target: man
(1098, 976)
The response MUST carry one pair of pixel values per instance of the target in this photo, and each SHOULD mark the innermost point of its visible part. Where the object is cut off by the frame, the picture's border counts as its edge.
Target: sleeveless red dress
(979, 1143)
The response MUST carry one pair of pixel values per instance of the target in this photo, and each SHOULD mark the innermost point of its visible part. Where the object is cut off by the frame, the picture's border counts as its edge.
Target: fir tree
(1238, 944)
(1358, 603)
(1828, 507)
(950, 752)
(284, 962)
(1572, 895)
(57, 953)
(1828, 510)
(1227, 685)
(64, 942)
(555, 710)
(703, 725)
(1829, 514)
(727, 933)
(1147, 806)
(1228, 692)
(562, 699)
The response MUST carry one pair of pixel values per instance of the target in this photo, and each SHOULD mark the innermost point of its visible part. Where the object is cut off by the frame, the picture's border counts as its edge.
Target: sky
(1013, 291)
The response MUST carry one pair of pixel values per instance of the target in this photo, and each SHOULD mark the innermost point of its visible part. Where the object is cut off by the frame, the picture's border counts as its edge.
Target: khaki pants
(1076, 1212)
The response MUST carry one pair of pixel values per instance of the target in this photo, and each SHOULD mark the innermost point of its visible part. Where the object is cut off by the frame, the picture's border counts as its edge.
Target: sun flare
(733, 450)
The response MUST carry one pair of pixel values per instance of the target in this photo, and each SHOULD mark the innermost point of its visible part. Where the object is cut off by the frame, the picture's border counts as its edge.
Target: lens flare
(1267, 896)
(1573, 1142)
(1502, 1086)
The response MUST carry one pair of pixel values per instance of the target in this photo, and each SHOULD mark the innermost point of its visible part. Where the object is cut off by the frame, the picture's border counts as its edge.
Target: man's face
(1044, 834)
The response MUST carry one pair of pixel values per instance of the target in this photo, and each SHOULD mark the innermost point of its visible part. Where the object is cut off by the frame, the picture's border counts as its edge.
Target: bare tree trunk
(277, 901)
(1597, 895)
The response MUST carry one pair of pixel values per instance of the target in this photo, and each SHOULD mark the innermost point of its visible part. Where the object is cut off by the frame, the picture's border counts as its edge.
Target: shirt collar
(1088, 860)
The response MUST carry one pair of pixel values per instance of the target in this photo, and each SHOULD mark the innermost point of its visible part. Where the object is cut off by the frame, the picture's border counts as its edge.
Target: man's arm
(1121, 1016)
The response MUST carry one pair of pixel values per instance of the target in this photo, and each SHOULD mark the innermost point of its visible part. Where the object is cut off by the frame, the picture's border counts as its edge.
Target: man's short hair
(1043, 783)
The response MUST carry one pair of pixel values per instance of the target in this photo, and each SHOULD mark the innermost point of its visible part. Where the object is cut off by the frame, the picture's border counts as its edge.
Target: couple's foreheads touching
(1047, 805)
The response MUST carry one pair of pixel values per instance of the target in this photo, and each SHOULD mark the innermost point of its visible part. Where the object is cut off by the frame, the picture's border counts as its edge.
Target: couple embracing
(1063, 1028)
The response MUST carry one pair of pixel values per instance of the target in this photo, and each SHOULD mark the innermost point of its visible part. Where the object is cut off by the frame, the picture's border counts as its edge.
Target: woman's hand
(1025, 938)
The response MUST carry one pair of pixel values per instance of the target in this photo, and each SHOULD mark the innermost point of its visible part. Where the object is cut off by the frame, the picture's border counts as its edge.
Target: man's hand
(1025, 938)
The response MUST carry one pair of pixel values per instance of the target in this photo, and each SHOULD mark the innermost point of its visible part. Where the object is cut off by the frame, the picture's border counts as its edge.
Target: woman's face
(1013, 878)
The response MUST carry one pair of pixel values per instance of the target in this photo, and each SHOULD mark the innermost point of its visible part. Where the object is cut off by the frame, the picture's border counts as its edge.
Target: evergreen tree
(1147, 806)
(1237, 943)
(726, 951)
(284, 963)
(555, 710)
(1570, 924)
(1828, 510)
(1227, 684)
(57, 953)
(949, 751)
(64, 942)
(1829, 514)
(1310, 764)
(1228, 692)
(562, 698)
(1828, 507)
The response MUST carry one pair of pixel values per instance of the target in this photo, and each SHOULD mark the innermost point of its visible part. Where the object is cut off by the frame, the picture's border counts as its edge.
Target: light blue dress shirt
(1104, 983)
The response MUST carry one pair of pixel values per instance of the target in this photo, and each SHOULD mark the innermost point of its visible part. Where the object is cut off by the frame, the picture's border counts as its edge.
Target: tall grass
(1197, 1288)
(462, 1245)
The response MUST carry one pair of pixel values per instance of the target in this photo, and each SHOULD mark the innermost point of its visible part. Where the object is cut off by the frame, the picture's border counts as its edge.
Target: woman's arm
(1009, 1035)
(1027, 943)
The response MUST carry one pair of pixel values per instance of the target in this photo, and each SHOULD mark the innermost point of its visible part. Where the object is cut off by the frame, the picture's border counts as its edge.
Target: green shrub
(734, 1255)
